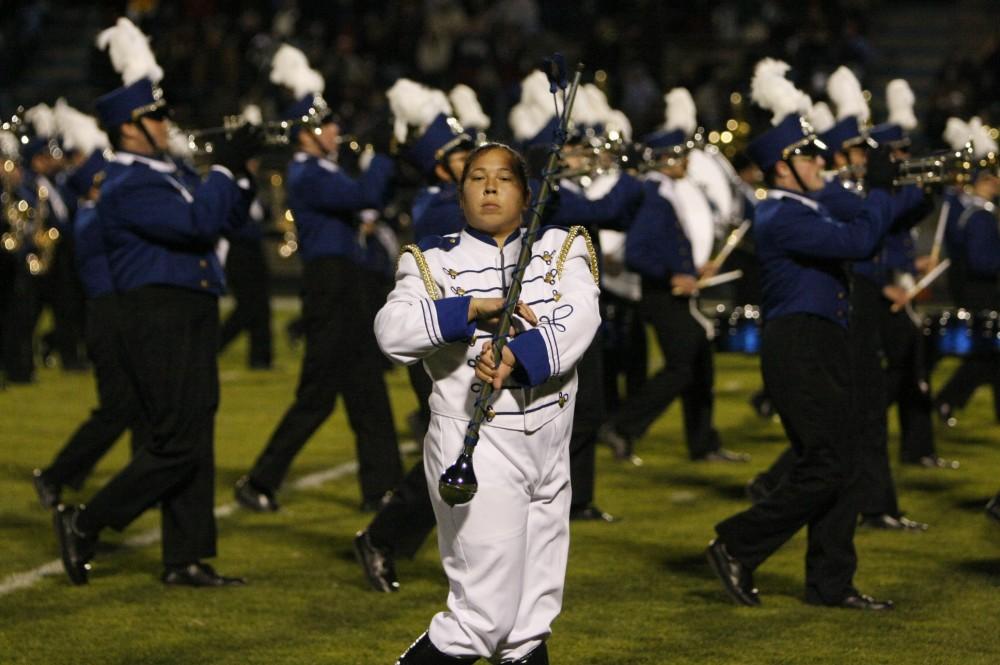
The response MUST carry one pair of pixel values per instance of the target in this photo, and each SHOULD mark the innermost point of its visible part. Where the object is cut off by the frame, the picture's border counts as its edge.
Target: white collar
(128, 158)
(785, 194)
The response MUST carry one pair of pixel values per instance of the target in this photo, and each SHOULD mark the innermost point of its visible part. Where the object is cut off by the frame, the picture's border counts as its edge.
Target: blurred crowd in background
(216, 52)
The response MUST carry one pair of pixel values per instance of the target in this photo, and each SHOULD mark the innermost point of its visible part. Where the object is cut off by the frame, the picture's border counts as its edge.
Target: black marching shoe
(891, 523)
(591, 513)
(946, 412)
(539, 656)
(77, 548)
(48, 493)
(993, 507)
(254, 498)
(197, 574)
(762, 405)
(723, 455)
(735, 577)
(376, 562)
(860, 601)
(423, 652)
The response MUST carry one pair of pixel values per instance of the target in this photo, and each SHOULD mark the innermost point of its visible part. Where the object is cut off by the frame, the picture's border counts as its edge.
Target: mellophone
(960, 332)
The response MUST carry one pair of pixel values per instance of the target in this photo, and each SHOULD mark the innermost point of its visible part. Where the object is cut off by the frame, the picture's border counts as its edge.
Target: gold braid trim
(425, 271)
(575, 231)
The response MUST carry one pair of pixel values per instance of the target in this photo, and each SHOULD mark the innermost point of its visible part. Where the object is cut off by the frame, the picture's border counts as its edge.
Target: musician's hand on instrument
(486, 370)
(896, 295)
(708, 270)
(683, 285)
(925, 264)
(487, 312)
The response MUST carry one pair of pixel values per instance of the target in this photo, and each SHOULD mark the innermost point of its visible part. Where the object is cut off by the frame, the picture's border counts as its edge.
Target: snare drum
(738, 330)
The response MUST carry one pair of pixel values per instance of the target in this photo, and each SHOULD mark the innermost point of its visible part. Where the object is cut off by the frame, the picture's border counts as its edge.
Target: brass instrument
(283, 219)
(44, 238)
(595, 157)
(947, 167)
(274, 134)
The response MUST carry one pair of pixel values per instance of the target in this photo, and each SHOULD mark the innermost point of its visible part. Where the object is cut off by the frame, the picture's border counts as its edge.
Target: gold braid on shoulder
(425, 272)
(567, 245)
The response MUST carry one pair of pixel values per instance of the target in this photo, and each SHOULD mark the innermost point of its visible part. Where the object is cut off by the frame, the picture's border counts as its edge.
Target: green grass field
(638, 591)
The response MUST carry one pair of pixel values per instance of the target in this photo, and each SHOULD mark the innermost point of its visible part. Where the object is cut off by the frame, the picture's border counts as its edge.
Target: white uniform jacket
(425, 318)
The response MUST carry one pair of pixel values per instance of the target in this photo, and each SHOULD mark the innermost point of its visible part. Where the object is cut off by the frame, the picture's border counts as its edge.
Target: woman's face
(492, 196)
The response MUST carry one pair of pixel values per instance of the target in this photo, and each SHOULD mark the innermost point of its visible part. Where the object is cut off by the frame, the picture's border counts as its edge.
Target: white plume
(535, 109)
(681, 112)
(252, 114)
(900, 99)
(414, 105)
(982, 142)
(844, 90)
(467, 108)
(821, 117)
(957, 133)
(586, 106)
(79, 131)
(9, 145)
(617, 121)
(130, 53)
(290, 68)
(42, 119)
(771, 91)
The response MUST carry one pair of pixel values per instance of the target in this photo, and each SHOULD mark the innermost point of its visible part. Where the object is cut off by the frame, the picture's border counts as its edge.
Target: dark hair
(517, 165)
(770, 175)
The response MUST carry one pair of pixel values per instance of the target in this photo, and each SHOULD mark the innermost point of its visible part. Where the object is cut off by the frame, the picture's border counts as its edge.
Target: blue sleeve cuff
(453, 318)
(532, 367)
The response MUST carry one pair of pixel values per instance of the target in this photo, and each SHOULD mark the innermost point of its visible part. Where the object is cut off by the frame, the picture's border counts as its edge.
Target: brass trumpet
(275, 134)
(949, 167)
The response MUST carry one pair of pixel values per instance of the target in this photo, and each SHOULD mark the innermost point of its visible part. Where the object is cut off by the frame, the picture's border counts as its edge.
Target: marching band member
(117, 409)
(805, 357)
(505, 551)
(160, 223)
(669, 243)
(973, 242)
(403, 523)
(323, 200)
(903, 346)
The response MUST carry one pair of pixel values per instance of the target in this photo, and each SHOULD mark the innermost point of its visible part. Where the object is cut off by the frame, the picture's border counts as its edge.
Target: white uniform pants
(505, 551)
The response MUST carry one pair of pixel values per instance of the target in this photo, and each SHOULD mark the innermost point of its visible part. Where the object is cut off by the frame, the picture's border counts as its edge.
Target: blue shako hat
(128, 103)
(890, 134)
(791, 136)
(443, 136)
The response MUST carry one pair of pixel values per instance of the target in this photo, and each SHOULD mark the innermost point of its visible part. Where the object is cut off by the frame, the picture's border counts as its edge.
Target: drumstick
(939, 232)
(706, 282)
(731, 242)
(922, 284)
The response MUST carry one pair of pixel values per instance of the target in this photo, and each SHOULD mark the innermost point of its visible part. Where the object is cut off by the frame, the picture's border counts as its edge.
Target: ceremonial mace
(458, 483)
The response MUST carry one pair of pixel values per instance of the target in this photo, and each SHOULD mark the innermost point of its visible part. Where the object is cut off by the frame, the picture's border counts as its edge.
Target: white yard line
(152, 536)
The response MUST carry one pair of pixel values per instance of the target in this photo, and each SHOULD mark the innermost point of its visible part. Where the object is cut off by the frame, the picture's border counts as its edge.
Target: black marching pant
(975, 371)
(624, 348)
(60, 288)
(805, 361)
(870, 417)
(249, 282)
(907, 384)
(116, 409)
(169, 339)
(341, 359)
(18, 304)
(688, 373)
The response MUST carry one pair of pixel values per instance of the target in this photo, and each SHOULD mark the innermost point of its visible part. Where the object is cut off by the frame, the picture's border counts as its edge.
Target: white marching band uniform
(505, 551)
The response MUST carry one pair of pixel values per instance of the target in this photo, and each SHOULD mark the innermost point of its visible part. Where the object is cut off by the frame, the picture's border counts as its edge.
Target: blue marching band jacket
(324, 200)
(160, 222)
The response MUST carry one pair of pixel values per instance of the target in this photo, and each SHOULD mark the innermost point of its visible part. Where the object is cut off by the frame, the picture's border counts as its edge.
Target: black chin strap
(149, 137)
(798, 178)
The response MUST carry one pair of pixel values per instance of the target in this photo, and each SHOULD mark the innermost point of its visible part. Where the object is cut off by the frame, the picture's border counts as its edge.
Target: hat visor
(810, 147)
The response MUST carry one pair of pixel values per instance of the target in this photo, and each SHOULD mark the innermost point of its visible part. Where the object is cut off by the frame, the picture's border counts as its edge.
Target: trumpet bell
(458, 484)
(950, 167)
